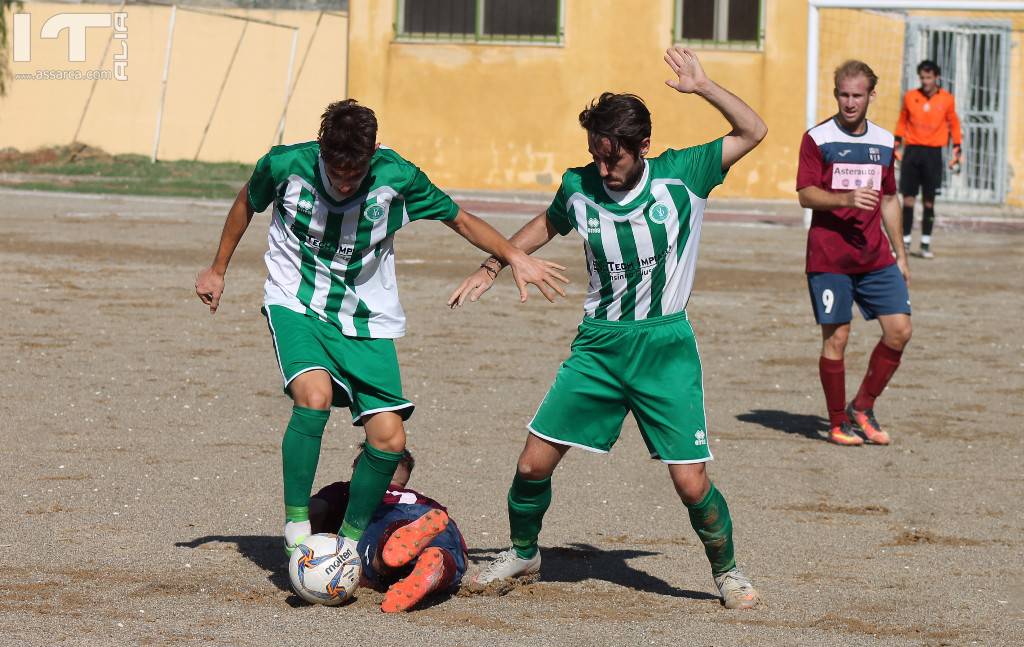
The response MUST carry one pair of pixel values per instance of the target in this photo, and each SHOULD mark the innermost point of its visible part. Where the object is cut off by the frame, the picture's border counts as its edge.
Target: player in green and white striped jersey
(331, 300)
(635, 352)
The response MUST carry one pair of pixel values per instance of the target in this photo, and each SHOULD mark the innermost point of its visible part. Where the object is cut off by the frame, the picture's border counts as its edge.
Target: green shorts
(650, 368)
(364, 370)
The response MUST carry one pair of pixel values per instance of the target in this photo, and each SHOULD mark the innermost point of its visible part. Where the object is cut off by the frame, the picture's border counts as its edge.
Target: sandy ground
(140, 449)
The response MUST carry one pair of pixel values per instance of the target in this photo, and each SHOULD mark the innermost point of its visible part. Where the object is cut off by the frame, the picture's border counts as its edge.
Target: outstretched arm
(748, 129)
(531, 237)
(525, 269)
(210, 281)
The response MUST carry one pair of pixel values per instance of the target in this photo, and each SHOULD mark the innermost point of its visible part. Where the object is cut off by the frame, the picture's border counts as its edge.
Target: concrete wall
(500, 117)
(473, 116)
(493, 117)
(122, 114)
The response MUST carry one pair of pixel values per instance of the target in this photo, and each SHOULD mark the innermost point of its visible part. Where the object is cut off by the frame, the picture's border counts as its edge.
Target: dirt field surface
(141, 465)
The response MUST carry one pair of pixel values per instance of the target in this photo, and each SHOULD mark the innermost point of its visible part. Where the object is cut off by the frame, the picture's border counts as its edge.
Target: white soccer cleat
(295, 532)
(508, 565)
(736, 590)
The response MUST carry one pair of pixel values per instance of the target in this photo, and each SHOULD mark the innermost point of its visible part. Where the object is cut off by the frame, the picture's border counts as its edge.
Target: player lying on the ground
(331, 300)
(635, 352)
(926, 124)
(410, 547)
(846, 163)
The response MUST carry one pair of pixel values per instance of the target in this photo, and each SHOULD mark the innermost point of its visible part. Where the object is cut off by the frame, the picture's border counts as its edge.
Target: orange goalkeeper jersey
(928, 121)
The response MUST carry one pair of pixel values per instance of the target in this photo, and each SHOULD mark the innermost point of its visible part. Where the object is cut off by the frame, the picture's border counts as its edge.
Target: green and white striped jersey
(641, 244)
(333, 257)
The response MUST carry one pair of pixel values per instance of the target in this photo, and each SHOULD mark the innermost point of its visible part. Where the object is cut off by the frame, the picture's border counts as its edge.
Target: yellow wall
(473, 116)
(122, 115)
(498, 117)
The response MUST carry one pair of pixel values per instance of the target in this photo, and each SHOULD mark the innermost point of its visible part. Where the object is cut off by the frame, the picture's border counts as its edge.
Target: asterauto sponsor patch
(854, 176)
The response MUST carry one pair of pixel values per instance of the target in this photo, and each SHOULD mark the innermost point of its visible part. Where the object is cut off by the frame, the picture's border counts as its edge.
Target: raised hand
(690, 75)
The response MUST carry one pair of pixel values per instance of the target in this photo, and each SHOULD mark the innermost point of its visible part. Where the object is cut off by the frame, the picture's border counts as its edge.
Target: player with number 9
(846, 176)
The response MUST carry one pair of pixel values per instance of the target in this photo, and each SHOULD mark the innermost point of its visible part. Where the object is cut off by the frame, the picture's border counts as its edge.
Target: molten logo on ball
(325, 569)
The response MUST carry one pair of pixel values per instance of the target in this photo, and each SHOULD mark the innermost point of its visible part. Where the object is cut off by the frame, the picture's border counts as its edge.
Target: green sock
(710, 518)
(300, 451)
(370, 480)
(527, 503)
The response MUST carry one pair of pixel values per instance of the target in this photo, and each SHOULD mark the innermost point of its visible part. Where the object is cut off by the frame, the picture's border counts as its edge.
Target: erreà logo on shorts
(700, 438)
(593, 225)
(374, 213)
(659, 212)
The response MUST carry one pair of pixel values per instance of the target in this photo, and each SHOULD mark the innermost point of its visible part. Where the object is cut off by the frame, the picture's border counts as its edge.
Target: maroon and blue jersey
(847, 240)
(336, 496)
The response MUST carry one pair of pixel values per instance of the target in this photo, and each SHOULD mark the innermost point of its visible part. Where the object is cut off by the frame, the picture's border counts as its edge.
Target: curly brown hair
(348, 135)
(623, 118)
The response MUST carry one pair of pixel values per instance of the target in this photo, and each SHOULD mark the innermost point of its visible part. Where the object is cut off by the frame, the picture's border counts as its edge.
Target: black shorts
(921, 170)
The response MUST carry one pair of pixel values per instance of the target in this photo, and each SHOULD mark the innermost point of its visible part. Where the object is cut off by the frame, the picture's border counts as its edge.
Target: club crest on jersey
(593, 225)
(874, 154)
(374, 213)
(659, 212)
(305, 206)
(700, 438)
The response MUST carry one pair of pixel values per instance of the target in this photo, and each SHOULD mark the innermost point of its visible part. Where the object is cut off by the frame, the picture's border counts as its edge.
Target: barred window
(480, 20)
(720, 23)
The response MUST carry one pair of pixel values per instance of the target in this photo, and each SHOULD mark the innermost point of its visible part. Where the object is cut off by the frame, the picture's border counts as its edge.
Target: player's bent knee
(836, 343)
(532, 471)
(313, 398)
(898, 338)
(394, 444)
(385, 431)
(691, 481)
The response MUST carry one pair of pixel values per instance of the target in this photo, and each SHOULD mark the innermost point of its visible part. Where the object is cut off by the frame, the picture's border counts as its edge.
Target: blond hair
(854, 68)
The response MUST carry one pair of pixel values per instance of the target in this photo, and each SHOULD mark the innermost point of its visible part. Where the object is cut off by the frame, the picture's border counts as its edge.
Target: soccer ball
(325, 569)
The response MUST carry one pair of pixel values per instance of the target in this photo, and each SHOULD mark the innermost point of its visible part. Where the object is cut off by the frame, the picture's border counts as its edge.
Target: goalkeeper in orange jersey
(926, 124)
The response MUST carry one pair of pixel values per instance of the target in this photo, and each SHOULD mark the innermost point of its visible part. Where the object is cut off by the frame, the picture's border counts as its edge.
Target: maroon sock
(833, 381)
(884, 362)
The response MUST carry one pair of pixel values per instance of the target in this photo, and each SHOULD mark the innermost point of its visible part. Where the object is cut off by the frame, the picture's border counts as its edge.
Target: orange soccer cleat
(409, 541)
(843, 434)
(868, 425)
(427, 577)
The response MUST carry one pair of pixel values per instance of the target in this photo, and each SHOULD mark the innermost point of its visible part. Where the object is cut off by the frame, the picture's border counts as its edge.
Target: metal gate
(974, 58)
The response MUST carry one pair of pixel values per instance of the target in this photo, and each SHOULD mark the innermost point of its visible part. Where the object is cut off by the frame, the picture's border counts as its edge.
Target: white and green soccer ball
(325, 569)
